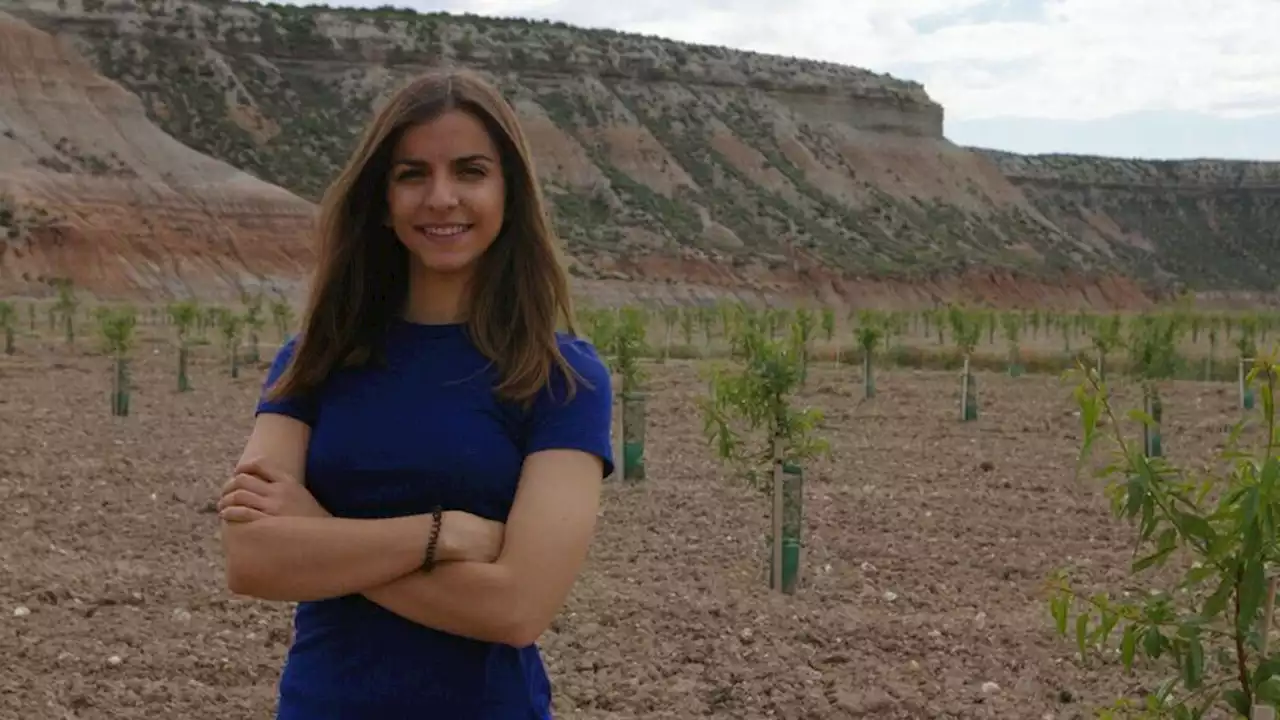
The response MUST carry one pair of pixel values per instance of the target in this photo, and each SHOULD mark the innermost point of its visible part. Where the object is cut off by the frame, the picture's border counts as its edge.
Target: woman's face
(446, 193)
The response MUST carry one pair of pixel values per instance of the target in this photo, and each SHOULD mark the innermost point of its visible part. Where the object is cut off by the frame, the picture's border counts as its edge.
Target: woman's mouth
(443, 232)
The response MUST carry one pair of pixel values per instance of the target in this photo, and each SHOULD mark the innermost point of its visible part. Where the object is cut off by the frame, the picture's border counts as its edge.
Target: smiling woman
(424, 469)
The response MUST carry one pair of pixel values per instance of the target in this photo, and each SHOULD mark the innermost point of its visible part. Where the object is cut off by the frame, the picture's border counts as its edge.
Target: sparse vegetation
(775, 190)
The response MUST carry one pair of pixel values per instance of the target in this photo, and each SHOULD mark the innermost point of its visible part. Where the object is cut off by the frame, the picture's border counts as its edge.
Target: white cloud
(1075, 59)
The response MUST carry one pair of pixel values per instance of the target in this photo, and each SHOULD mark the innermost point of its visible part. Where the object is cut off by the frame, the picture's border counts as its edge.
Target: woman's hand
(257, 491)
(468, 537)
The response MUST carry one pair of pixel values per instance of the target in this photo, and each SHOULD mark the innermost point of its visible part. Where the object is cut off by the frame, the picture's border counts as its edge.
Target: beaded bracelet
(430, 561)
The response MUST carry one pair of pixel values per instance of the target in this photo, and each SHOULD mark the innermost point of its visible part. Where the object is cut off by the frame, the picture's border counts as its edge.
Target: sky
(1132, 78)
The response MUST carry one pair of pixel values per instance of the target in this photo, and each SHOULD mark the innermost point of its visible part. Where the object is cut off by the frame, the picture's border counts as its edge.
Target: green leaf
(1193, 665)
(1238, 701)
(1128, 644)
(1268, 691)
(1103, 631)
(1153, 642)
(1266, 670)
(1058, 608)
(1217, 602)
(1252, 588)
(1156, 558)
(1137, 496)
(1197, 528)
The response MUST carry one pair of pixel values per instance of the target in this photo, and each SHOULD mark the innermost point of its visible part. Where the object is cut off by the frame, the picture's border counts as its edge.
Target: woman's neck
(435, 300)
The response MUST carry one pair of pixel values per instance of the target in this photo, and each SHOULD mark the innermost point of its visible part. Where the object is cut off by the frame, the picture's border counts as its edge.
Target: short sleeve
(303, 409)
(584, 421)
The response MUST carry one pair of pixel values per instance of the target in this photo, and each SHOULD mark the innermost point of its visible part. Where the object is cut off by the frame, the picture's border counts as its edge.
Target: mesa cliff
(675, 172)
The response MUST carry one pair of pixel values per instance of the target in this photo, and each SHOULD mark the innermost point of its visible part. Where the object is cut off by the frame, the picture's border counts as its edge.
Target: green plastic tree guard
(633, 422)
(1151, 434)
(120, 389)
(969, 397)
(184, 381)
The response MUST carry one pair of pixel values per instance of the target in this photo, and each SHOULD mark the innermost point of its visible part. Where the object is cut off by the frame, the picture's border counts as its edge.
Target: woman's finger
(244, 481)
(241, 513)
(245, 498)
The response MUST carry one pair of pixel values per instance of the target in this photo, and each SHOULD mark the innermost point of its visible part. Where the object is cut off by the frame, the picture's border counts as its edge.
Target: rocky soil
(929, 542)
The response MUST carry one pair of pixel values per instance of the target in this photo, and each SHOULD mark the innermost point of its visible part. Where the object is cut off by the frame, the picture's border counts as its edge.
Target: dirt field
(109, 545)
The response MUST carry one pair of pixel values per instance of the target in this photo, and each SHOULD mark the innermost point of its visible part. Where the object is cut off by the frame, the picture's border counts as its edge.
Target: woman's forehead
(452, 136)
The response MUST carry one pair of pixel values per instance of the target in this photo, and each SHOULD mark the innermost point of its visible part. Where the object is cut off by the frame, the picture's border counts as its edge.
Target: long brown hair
(520, 290)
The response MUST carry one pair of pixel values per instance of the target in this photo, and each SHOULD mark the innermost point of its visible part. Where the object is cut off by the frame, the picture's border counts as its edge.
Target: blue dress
(421, 430)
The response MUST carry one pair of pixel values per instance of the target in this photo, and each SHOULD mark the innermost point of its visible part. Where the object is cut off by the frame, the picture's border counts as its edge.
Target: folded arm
(514, 599)
(296, 551)
(511, 600)
(313, 558)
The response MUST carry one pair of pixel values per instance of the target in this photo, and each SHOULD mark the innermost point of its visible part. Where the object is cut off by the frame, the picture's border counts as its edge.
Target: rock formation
(680, 172)
(94, 192)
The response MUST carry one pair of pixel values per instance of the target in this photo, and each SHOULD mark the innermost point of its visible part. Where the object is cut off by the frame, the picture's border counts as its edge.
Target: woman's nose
(441, 193)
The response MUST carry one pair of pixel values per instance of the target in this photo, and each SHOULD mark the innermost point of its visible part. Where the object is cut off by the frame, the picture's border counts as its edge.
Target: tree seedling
(1106, 337)
(965, 331)
(1152, 355)
(1247, 347)
(870, 332)
(116, 326)
(253, 323)
(1011, 324)
(8, 318)
(1211, 628)
(184, 315)
(282, 316)
(628, 343)
(759, 396)
(65, 307)
(231, 325)
(670, 318)
(802, 330)
(829, 330)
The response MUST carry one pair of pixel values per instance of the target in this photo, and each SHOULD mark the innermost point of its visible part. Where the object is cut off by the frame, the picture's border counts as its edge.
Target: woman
(428, 376)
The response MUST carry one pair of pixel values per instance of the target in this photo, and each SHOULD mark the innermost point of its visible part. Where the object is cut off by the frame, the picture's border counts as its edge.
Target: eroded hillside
(93, 192)
(1209, 223)
(674, 170)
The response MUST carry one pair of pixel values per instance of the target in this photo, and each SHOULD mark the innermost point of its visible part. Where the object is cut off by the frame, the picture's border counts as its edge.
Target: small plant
(670, 317)
(965, 331)
(1106, 338)
(1152, 356)
(185, 316)
(1247, 347)
(65, 307)
(1211, 628)
(1011, 325)
(253, 322)
(282, 316)
(117, 326)
(751, 421)
(871, 330)
(601, 325)
(687, 319)
(829, 329)
(628, 341)
(801, 336)
(231, 325)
